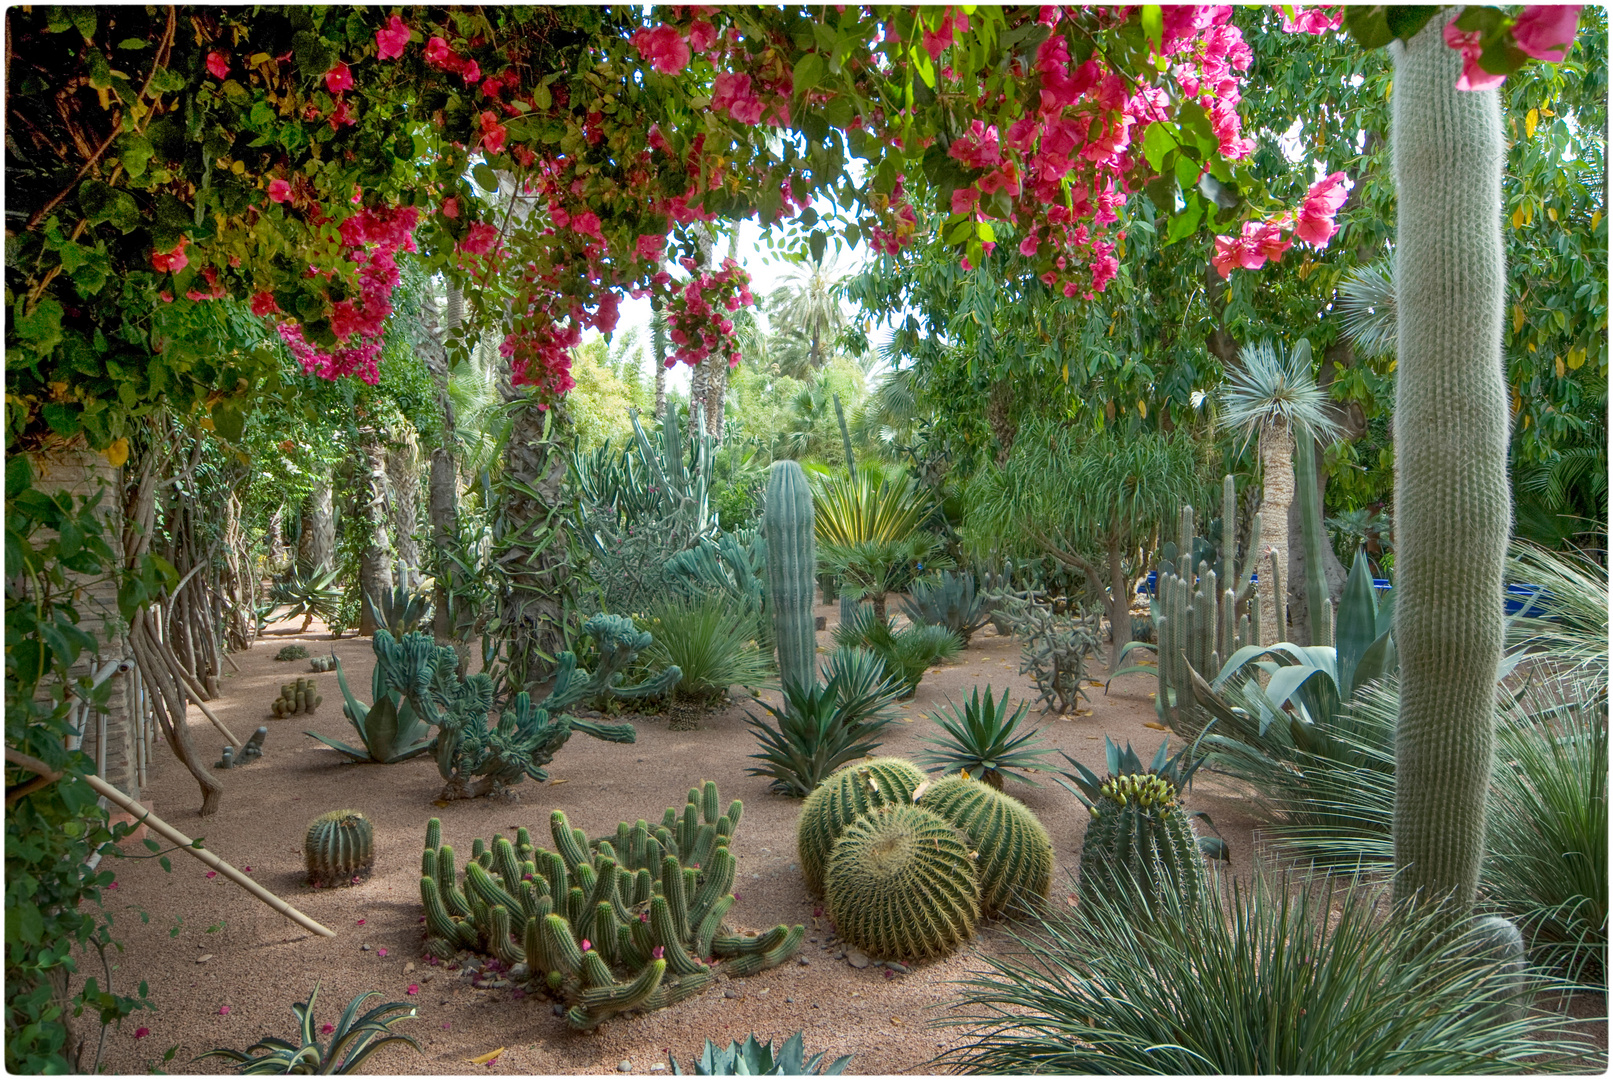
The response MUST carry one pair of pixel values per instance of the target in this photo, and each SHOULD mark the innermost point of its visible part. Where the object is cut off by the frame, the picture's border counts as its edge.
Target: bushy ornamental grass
(1256, 981)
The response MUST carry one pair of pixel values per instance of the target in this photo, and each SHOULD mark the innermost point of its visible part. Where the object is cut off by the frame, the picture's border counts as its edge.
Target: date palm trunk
(316, 547)
(534, 540)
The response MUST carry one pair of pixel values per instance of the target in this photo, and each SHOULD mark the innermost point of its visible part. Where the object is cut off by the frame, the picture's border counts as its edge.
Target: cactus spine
(644, 905)
(296, 698)
(851, 792)
(339, 848)
(901, 885)
(1140, 837)
(1452, 499)
(1013, 853)
(792, 558)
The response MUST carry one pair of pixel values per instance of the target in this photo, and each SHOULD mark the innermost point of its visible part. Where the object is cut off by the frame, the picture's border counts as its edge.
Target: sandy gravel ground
(224, 969)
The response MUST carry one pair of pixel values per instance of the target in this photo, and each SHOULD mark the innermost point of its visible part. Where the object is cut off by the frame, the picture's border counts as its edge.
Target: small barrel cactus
(296, 698)
(339, 849)
(856, 789)
(1014, 854)
(902, 885)
(1139, 830)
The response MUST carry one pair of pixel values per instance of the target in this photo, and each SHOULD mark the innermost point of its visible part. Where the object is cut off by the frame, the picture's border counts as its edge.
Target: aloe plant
(352, 1041)
(985, 741)
(312, 594)
(752, 1058)
(400, 609)
(818, 729)
(391, 730)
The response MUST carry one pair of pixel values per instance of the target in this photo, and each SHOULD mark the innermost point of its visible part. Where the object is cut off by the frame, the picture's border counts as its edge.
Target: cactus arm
(616, 733)
(1312, 536)
(599, 1003)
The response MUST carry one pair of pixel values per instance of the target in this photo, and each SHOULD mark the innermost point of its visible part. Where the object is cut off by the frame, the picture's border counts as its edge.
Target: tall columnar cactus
(850, 793)
(901, 885)
(607, 926)
(1196, 605)
(1013, 853)
(792, 557)
(1452, 509)
(339, 848)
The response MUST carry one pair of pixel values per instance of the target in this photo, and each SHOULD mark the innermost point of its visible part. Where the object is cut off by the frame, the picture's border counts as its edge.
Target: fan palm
(807, 317)
(1274, 394)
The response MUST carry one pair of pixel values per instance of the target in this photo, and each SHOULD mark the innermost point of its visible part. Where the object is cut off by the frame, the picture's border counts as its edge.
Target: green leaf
(19, 475)
(484, 176)
(817, 243)
(41, 330)
(808, 72)
(228, 420)
(1153, 20)
(134, 151)
(1186, 222)
(1157, 142)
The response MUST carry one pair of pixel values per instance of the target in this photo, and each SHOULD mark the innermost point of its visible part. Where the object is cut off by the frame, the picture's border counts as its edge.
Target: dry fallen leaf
(1156, 727)
(485, 1058)
(554, 782)
(439, 803)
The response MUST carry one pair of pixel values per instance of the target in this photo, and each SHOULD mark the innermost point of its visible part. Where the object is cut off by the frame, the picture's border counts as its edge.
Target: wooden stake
(185, 843)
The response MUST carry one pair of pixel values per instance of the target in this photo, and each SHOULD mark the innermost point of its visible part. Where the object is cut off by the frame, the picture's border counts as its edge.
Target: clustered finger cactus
(1140, 838)
(1013, 852)
(791, 569)
(852, 792)
(322, 663)
(296, 698)
(339, 849)
(901, 884)
(629, 922)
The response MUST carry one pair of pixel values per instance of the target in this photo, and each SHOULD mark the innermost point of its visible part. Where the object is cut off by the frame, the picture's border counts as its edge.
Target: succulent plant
(1014, 854)
(984, 741)
(901, 885)
(322, 663)
(310, 594)
(607, 926)
(339, 848)
(296, 698)
(1139, 831)
(292, 652)
(1053, 650)
(791, 568)
(948, 600)
(906, 653)
(398, 726)
(352, 1040)
(821, 727)
(400, 609)
(752, 1058)
(855, 790)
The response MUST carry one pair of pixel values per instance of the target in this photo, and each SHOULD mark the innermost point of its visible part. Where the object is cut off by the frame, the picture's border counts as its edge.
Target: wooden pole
(145, 816)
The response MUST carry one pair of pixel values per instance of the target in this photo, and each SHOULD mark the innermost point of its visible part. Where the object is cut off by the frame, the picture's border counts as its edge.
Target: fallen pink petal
(380, 951)
(141, 1032)
(414, 988)
(224, 1010)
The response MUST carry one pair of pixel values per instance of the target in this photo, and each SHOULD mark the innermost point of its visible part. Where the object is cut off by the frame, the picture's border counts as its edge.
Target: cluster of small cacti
(292, 652)
(322, 663)
(296, 698)
(252, 751)
(647, 904)
(905, 881)
(339, 849)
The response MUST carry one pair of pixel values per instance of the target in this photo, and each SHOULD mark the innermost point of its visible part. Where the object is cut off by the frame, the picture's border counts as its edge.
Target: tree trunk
(1119, 604)
(277, 557)
(1277, 471)
(369, 502)
(403, 478)
(316, 547)
(533, 615)
(658, 350)
(700, 379)
(442, 498)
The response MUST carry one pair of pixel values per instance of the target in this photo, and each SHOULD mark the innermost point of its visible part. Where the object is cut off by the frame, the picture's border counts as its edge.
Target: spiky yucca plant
(713, 642)
(1270, 979)
(818, 729)
(984, 741)
(352, 1041)
(311, 594)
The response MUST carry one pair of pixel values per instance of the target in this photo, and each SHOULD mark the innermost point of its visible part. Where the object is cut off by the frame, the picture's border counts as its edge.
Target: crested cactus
(1452, 497)
(855, 790)
(339, 848)
(608, 926)
(901, 885)
(296, 698)
(791, 568)
(1014, 854)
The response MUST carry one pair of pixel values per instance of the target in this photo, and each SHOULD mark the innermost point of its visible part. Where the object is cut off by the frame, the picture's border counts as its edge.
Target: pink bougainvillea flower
(214, 873)
(438, 54)
(390, 39)
(246, 869)
(141, 1032)
(1471, 45)
(492, 132)
(1316, 225)
(450, 207)
(414, 988)
(218, 64)
(658, 952)
(279, 190)
(664, 48)
(171, 262)
(1545, 31)
(1310, 20)
(339, 78)
(381, 951)
(343, 114)
(446, 1025)
(224, 1010)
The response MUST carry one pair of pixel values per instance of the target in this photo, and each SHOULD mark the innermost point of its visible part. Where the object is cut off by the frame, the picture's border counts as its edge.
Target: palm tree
(807, 318)
(1274, 394)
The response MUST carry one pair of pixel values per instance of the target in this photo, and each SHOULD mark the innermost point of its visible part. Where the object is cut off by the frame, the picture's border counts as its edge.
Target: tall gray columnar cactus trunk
(1452, 510)
(792, 557)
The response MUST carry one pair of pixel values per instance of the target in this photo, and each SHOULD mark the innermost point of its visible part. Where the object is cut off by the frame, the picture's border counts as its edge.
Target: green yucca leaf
(984, 739)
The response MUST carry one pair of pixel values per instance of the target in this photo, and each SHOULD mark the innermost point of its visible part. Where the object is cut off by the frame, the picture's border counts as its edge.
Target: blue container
(1524, 600)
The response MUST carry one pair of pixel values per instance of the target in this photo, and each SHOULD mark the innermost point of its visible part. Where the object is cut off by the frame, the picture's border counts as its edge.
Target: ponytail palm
(1274, 395)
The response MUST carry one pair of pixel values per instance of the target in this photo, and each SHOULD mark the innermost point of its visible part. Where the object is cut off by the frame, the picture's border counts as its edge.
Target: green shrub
(292, 652)
(713, 642)
(1271, 979)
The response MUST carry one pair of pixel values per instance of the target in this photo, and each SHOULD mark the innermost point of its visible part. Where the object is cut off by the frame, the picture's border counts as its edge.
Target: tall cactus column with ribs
(792, 557)
(1452, 510)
